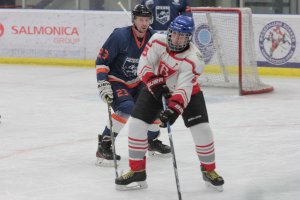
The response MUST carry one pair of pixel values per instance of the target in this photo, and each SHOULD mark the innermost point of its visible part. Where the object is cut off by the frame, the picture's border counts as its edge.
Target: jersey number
(145, 51)
(122, 92)
(103, 53)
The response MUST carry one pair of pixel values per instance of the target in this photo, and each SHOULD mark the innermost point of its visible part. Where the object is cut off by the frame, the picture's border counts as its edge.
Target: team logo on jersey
(277, 42)
(204, 41)
(1, 30)
(166, 70)
(162, 14)
(130, 67)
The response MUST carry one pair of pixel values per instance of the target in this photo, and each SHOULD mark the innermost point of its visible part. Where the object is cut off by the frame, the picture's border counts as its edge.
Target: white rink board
(80, 34)
(56, 34)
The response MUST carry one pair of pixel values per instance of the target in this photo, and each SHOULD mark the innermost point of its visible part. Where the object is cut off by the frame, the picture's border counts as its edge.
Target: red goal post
(225, 37)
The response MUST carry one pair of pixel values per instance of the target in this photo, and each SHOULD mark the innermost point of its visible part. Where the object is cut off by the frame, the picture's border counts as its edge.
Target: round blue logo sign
(277, 42)
(204, 41)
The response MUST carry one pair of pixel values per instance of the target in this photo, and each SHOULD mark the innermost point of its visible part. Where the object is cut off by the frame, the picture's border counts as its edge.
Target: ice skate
(132, 180)
(104, 152)
(157, 148)
(212, 179)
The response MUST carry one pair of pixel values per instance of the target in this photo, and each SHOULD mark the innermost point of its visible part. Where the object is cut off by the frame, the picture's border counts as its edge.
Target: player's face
(178, 39)
(142, 23)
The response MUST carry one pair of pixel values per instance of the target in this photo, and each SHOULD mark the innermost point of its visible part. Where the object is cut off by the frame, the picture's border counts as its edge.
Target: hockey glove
(105, 91)
(158, 87)
(171, 113)
(168, 115)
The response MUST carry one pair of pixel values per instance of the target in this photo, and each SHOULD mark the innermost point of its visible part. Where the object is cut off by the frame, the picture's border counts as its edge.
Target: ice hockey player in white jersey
(169, 66)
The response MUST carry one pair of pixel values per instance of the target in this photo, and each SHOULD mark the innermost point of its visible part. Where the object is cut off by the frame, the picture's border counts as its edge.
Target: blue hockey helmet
(183, 26)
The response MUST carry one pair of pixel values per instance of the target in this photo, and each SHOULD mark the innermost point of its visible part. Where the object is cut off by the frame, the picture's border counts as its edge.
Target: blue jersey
(119, 57)
(165, 11)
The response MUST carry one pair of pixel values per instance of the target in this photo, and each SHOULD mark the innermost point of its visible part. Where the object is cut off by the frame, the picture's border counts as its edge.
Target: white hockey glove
(105, 91)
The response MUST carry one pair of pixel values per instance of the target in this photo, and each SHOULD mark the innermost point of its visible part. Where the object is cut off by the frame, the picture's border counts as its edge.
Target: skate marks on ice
(51, 118)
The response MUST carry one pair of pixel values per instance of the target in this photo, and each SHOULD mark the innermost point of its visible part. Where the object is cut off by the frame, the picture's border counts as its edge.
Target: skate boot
(104, 152)
(212, 179)
(157, 148)
(132, 180)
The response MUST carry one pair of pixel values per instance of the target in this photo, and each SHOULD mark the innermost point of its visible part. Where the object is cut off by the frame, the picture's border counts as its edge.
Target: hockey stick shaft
(112, 135)
(173, 151)
(124, 9)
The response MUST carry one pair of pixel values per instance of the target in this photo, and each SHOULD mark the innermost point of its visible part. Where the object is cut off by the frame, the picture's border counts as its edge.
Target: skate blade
(160, 155)
(101, 162)
(217, 188)
(132, 186)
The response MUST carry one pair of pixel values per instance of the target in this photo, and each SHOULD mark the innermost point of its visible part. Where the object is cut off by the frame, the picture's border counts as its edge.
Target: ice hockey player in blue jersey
(165, 11)
(119, 85)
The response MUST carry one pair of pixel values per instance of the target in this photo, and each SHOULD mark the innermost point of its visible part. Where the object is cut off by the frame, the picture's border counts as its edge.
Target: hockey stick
(112, 135)
(124, 9)
(173, 151)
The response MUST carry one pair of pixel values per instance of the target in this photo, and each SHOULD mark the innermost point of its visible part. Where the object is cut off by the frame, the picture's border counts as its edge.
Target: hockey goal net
(226, 40)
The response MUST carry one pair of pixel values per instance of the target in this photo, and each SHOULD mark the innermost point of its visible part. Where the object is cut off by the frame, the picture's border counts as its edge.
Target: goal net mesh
(225, 38)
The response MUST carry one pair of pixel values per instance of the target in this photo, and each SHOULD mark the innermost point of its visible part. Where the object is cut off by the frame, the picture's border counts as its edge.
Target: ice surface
(48, 137)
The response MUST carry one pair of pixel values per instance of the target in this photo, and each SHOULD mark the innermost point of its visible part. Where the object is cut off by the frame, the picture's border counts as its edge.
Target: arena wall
(73, 38)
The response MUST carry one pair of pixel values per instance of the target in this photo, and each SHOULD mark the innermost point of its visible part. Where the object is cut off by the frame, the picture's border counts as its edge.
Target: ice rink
(50, 118)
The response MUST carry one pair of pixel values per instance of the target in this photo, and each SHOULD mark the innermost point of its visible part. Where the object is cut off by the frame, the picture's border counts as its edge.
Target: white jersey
(180, 70)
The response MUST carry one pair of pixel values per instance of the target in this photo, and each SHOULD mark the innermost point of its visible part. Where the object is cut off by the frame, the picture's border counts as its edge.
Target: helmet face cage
(178, 47)
(183, 26)
(141, 11)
